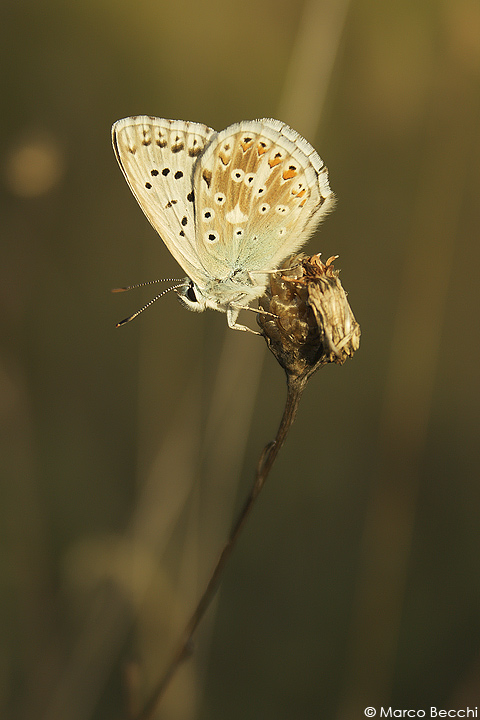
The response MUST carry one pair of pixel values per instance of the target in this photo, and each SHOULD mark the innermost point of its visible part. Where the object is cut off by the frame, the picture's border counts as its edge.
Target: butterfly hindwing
(261, 190)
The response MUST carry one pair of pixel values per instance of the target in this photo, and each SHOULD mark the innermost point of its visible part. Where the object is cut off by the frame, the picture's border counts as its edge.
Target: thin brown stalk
(295, 387)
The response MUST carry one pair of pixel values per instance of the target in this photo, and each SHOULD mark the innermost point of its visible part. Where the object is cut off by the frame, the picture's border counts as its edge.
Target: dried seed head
(314, 324)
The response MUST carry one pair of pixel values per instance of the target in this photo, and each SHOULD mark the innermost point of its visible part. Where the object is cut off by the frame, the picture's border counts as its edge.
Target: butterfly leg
(232, 314)
(257, 311)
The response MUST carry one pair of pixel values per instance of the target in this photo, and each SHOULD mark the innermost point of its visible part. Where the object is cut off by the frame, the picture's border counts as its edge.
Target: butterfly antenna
(149, 282)
(135, 314)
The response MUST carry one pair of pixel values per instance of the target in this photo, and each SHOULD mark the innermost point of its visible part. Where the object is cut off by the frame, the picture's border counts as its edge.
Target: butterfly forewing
(261, 190)
(157, 158)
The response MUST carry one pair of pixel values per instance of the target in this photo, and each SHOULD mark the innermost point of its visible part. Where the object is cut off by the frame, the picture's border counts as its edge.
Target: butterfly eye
(282, 232)
(263, 209)
(261, 190)
(237, 175)
(238, 232)
(220, 198)
(208, 214)
(211, 237)
(191, 293)
(281, 209)
(248, 180)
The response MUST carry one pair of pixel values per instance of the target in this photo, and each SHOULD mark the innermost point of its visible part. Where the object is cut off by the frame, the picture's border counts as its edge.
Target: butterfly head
(191, 297)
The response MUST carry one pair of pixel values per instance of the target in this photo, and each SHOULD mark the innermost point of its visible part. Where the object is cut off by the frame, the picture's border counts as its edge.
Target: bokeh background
(125, 453)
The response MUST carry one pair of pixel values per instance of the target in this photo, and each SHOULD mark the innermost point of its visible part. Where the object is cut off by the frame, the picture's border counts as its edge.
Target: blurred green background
(125, 453)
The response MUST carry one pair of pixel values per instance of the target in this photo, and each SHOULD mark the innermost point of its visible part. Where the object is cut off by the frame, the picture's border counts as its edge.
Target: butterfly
(230, 206)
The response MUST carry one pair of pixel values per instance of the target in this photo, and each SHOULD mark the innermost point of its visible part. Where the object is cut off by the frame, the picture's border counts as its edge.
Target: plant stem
(295, 387)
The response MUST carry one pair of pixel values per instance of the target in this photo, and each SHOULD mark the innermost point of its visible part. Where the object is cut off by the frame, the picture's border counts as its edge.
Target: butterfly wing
(260, 192)
(157, 158)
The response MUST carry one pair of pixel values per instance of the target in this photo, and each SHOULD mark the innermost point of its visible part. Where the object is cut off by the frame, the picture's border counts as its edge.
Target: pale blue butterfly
(230, 206)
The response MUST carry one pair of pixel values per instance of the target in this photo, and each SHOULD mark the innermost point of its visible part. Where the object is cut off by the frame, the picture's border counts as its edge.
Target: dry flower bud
(314, 324)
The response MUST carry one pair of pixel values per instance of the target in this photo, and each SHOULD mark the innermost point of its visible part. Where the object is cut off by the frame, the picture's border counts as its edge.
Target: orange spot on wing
(261, 148)
(224, 158)
(287, 174)
(274, 161)
(301, 193)
(303, 202)
(246, 145)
